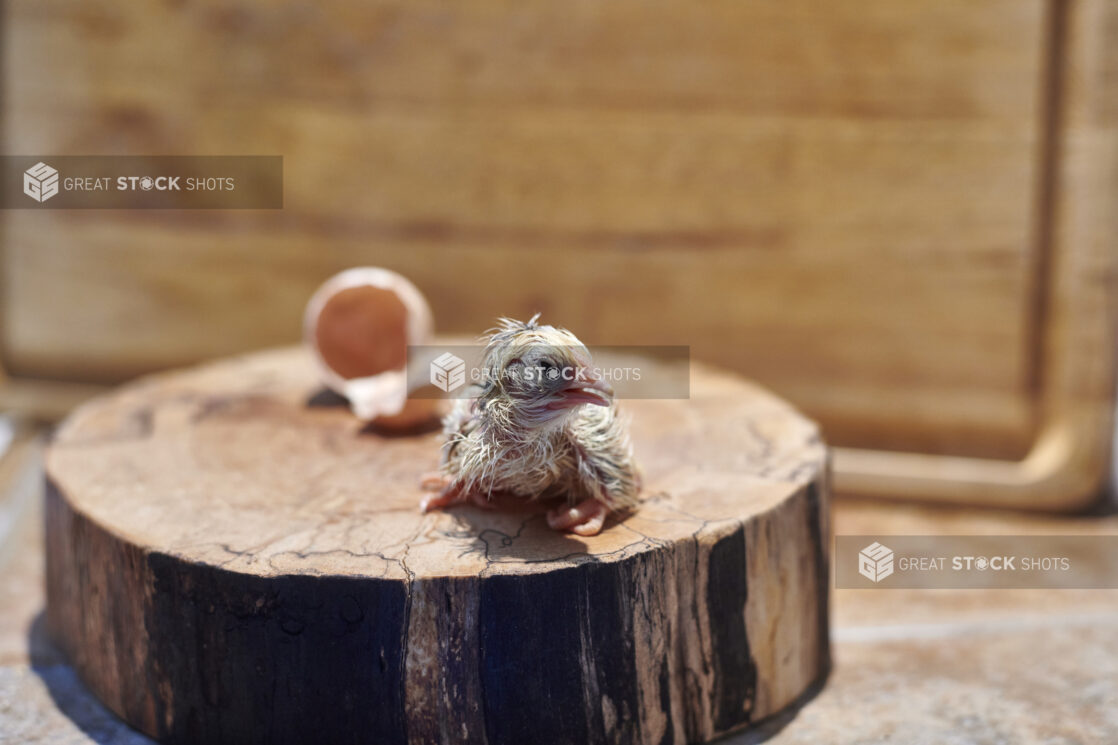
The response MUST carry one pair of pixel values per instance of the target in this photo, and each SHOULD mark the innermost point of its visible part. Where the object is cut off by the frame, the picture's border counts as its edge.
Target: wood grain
(228, 562)
(707, 163)
(1075, 316)
(895, 217)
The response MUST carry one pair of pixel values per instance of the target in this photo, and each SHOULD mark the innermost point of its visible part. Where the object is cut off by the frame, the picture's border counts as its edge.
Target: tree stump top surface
(242, 464)
(228, 550)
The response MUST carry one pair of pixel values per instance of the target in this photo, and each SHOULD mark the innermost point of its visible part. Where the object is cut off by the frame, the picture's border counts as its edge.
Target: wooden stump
(232, 558)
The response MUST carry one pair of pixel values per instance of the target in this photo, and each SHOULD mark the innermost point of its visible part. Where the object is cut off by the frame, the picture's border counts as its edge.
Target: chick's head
(538, 375)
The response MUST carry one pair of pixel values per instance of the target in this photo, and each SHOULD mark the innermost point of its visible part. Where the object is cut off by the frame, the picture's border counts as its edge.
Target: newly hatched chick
(542, 425)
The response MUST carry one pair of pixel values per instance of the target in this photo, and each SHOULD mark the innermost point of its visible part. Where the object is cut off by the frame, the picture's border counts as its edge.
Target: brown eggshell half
(358, 326)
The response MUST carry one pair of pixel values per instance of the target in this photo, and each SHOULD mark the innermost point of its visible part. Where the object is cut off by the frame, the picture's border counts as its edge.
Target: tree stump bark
(233, 559)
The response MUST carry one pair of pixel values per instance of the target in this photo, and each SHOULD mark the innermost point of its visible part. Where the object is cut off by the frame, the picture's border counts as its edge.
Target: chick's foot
(585, 518)
(450, 494)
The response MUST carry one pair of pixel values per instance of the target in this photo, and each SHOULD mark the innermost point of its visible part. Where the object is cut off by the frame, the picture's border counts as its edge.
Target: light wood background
(898, 215)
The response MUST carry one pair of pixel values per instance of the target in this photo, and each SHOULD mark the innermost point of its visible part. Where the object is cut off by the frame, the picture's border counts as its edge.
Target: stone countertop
(916, 667)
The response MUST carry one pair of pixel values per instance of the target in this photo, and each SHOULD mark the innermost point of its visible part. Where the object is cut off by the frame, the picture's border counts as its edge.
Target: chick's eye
(550, 371)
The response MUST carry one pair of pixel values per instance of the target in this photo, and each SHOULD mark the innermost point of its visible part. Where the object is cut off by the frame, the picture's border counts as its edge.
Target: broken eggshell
(358, 326)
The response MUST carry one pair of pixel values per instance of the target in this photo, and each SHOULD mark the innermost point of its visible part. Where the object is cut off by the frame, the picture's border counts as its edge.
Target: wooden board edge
(1068, 465)
(1065, 471)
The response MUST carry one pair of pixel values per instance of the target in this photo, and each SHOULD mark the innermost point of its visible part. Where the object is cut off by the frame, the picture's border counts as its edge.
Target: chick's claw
(450, 493)
(440, 501)
(585, 518)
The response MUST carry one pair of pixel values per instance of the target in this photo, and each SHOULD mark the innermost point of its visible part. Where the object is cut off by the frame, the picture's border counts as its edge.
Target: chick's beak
(590, 389)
